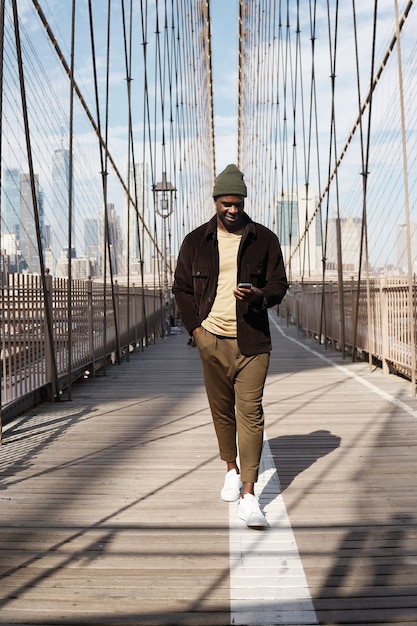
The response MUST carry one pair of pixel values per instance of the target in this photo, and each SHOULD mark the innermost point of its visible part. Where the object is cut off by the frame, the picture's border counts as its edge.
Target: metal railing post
(90, 323)
(135, 315)
(384, 325)
(49, 346)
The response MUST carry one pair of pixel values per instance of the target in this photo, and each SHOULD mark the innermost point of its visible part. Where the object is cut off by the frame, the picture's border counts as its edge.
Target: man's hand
(252, 295)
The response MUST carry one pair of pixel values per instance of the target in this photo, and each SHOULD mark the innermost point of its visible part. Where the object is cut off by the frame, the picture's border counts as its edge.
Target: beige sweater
(222, 317)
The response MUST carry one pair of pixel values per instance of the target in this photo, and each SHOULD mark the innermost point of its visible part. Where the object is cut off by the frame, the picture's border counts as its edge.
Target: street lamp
(163, 194)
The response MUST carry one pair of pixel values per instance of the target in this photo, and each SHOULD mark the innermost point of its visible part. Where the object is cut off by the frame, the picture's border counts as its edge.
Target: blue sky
(55, 107)
(224, 14)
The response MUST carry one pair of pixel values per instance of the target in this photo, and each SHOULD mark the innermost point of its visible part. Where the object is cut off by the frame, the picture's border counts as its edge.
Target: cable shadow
(102, 523)
(368, 581)
(120, 445)
(29, 437)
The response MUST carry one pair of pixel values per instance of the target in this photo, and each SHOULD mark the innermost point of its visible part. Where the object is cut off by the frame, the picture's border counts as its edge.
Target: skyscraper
(28, 235)
(402, 247)
(11, 202)
(139, 242)
(294, 212)
(348, 229)
(60, 202)
(91, 242)
(115, 241)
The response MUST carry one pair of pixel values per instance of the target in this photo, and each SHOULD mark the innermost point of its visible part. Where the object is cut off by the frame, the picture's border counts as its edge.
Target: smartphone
(244, 285)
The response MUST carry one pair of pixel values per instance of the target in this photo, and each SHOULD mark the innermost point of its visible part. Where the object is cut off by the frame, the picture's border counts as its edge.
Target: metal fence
(374, 320)
(55, 331)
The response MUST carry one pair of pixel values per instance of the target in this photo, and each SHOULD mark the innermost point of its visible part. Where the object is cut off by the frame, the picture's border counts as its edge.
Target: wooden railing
(89, 325)
(375, 320)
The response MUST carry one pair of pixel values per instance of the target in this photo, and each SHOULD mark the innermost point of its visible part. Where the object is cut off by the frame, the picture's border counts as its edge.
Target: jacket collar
(249, 228)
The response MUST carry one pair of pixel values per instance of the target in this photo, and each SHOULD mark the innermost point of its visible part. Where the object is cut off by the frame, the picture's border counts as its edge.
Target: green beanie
(230, 183)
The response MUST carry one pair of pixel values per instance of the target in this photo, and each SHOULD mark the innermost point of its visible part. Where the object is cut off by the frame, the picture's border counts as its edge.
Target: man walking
(229, 272)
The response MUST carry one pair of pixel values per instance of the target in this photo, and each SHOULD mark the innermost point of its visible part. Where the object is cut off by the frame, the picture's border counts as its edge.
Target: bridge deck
(110, 510)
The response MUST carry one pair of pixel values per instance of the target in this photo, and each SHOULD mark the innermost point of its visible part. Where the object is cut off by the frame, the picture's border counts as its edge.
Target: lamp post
(163, 194)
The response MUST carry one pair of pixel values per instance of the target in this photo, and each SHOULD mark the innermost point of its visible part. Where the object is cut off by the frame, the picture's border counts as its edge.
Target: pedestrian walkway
(110, 511)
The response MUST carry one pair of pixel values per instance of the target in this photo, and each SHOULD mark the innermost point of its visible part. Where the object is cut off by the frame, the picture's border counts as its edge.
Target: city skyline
(291, 214)
(18, 232)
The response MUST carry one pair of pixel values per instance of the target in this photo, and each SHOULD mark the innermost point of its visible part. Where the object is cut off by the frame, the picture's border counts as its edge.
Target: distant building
(402, 247)
(61, 269)
(50, 262)
(91, 234)
(9, 243)
(60, 202)
(4, 267)
(11, 253)
(139, 242)
(114, 243)
(350, 234)
(47, 231)
(11, 202)
(83, 268)
(294, 211)
(28, 234)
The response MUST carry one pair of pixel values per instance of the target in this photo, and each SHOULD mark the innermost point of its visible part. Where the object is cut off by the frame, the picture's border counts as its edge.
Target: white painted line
(345, 370)
(267, 580)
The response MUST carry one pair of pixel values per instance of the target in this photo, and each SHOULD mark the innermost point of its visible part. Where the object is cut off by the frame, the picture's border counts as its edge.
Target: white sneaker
(232, 486)
(250, 512)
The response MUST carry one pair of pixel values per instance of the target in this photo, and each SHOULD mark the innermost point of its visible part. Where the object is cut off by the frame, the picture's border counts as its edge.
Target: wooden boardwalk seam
(110, 510)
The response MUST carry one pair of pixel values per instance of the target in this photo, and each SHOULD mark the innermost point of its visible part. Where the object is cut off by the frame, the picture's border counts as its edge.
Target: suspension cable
(48, 314)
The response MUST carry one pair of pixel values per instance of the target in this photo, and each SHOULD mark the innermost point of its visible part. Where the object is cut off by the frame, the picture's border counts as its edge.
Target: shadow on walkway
(293, 454)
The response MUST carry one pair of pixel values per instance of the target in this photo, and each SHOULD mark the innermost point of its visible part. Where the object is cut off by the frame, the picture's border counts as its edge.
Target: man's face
(229, 212)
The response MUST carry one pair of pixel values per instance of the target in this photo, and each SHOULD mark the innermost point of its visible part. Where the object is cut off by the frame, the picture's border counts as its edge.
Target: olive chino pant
(234, 386)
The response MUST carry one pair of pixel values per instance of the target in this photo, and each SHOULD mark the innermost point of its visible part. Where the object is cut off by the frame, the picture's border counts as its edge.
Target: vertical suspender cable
(167, 79)
(48, 313)
(146, 133)
(140, 230)
(157, 44)
(1, 157)
(411, 307)
(269, 17)
(298, 68)
(103, 161)
(271, 199)
(151, 137)
(131, 171)
(210, 70)
(240, 84)
(107, 246)
(129, 164)
(365, 174)
(101, 149)
(338, 221)
(70, 204)
(333, 150)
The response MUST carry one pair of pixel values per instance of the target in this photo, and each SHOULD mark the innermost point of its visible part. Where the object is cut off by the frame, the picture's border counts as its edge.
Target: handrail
(27, 356)
(383, 332)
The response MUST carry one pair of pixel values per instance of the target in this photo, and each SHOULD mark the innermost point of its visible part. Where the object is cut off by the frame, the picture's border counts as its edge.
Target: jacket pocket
(200, 275)
(256, 274)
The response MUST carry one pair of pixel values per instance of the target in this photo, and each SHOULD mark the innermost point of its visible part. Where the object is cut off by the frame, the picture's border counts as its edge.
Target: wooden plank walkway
(110, 511)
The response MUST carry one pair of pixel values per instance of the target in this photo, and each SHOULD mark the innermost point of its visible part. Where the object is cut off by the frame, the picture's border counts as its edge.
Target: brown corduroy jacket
(259, 262)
